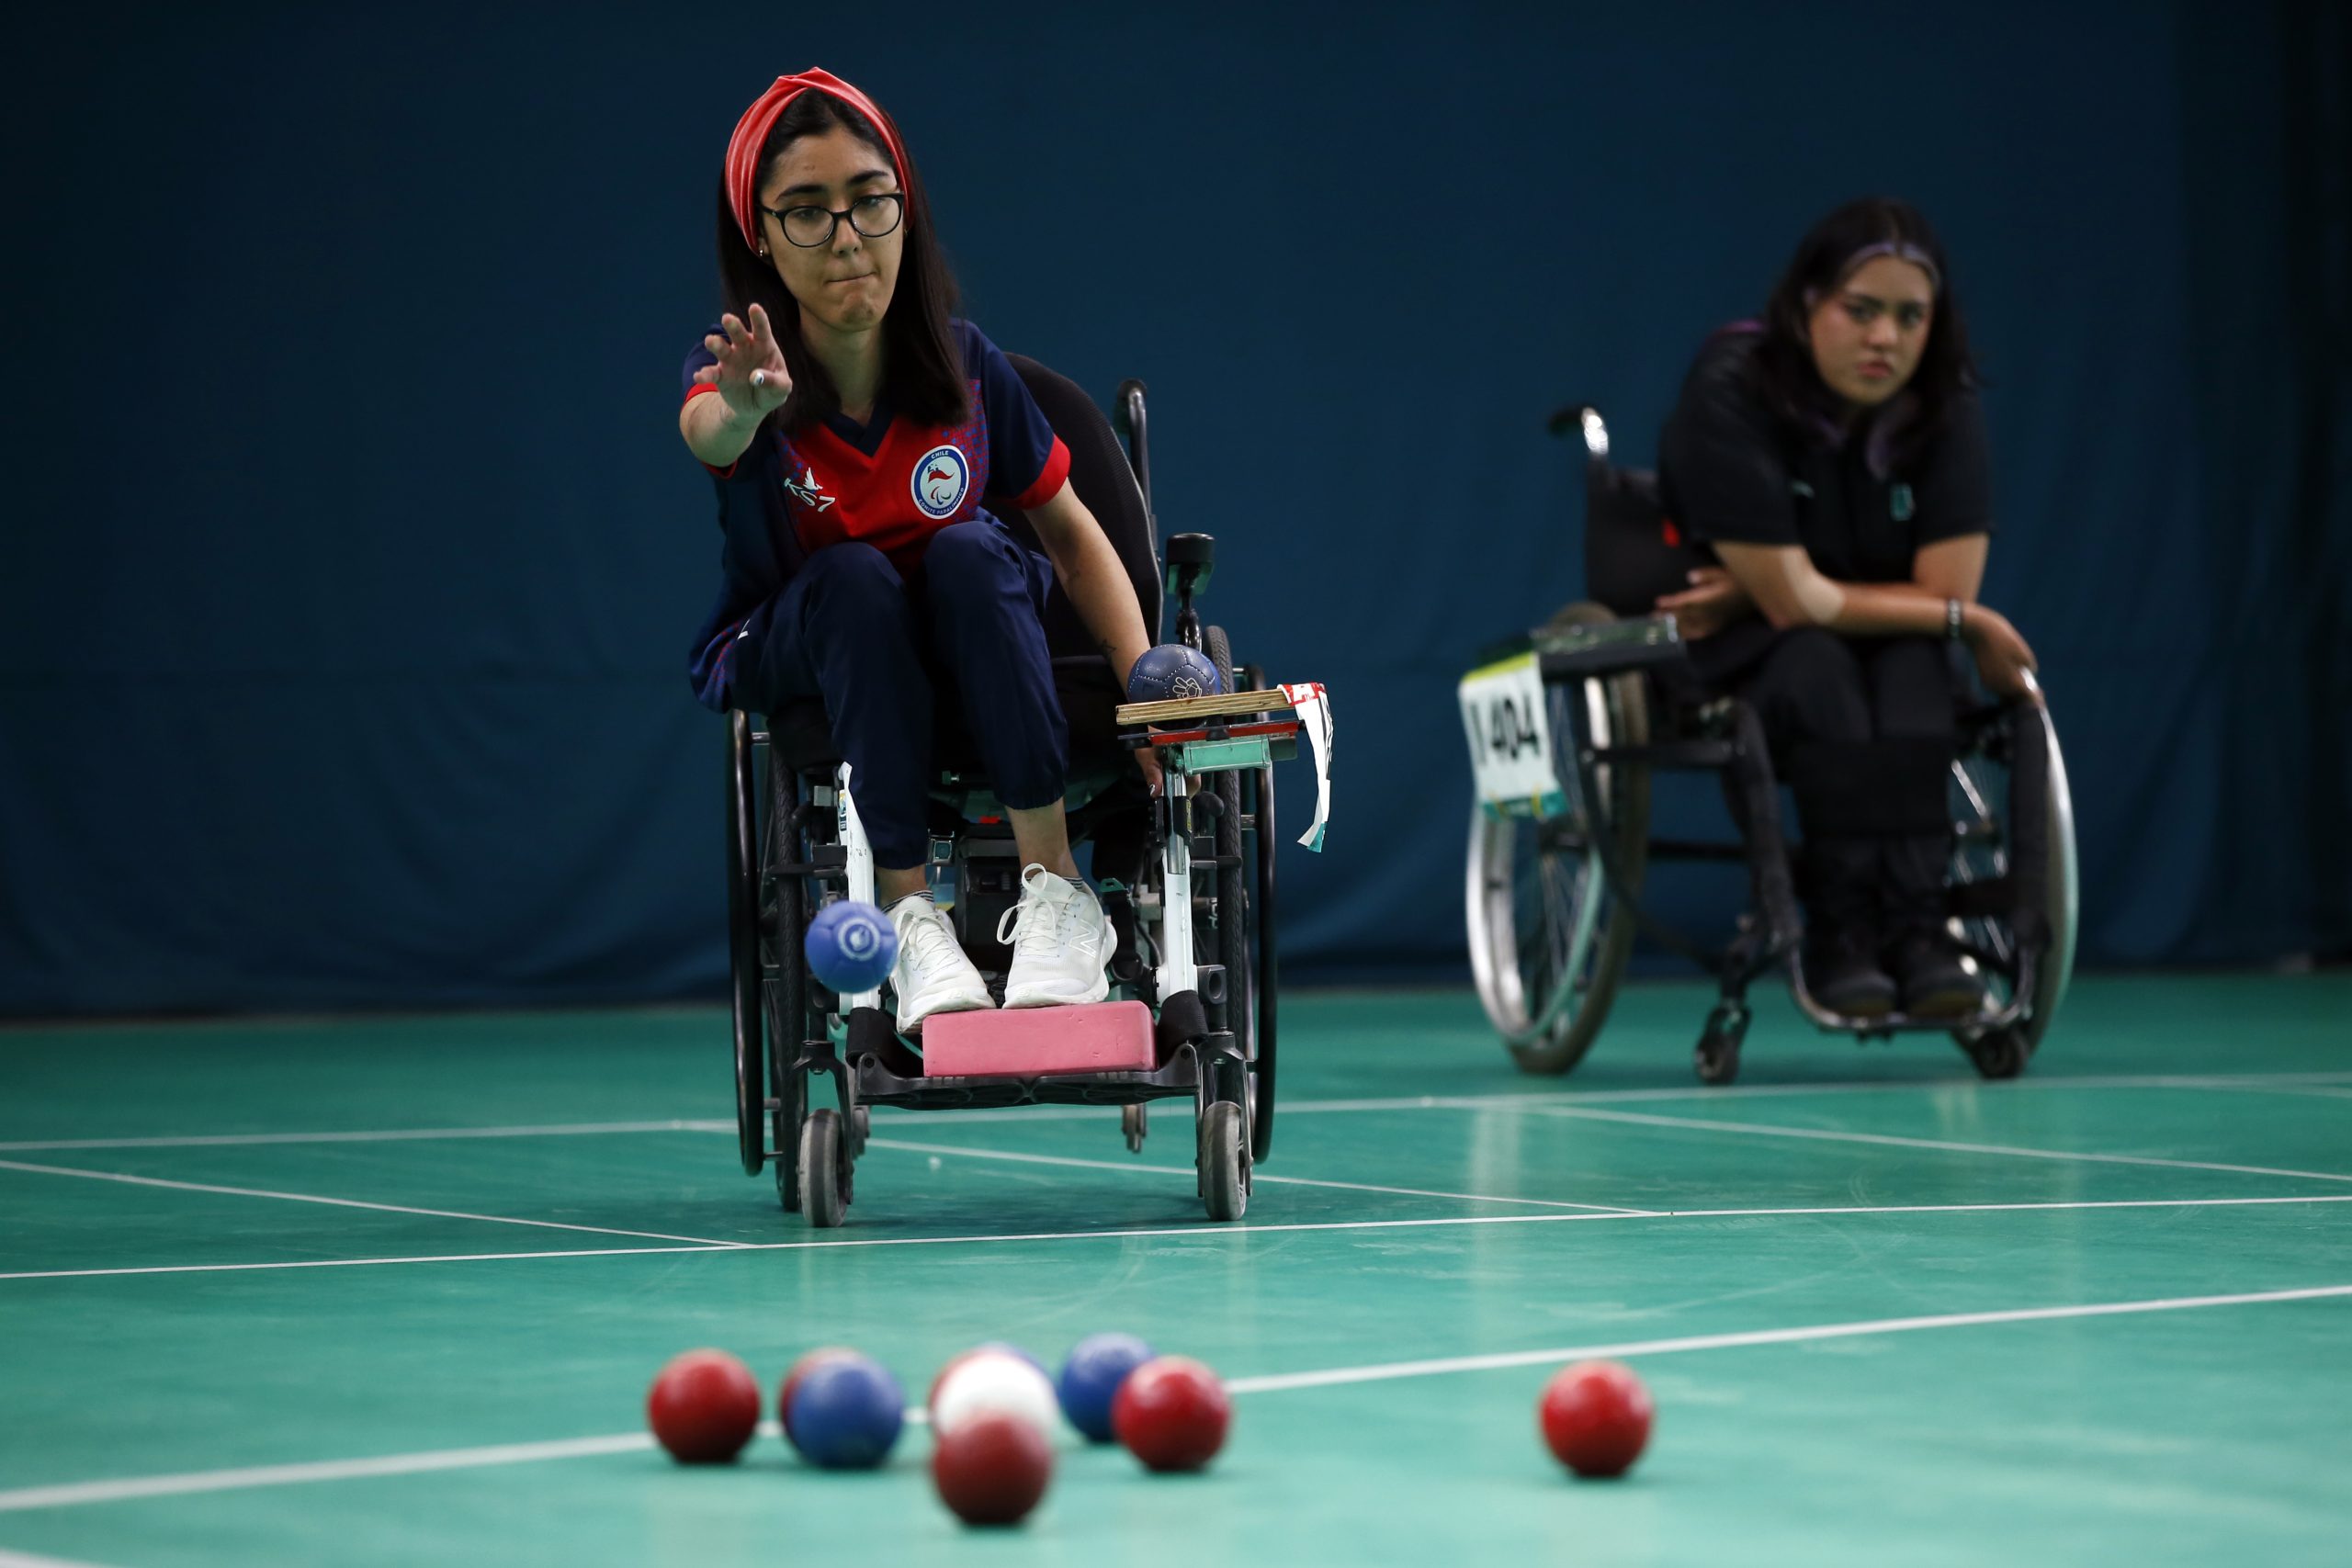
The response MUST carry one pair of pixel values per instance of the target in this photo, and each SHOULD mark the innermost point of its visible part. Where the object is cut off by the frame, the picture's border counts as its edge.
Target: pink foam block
(1028, 1043)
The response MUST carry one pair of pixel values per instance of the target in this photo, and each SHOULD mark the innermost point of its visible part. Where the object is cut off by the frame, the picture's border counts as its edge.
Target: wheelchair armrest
(1581, 652)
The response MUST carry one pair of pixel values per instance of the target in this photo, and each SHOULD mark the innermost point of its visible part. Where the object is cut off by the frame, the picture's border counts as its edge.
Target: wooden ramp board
(1221, 705)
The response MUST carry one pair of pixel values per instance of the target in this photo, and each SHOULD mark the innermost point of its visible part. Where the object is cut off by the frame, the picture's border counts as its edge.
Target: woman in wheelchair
(853, 428)
(1833, 455)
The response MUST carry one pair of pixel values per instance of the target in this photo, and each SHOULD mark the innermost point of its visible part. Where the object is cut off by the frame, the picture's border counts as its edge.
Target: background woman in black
(1834, 455)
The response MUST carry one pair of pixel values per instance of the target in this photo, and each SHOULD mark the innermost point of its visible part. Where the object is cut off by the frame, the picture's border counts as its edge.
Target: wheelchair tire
(1134, 1123)
(2002, 1054)
(1268, 979)
(743, 944)
(1716, 1057)
(2065, 893)
(1238, 921)
(1224, 1162)
(1981, 793)
(1547, 989)
(824, 1170)
(785, 903)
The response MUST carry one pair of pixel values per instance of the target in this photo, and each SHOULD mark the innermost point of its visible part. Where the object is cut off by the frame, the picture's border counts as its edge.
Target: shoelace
(1036, 928)
(923, 935)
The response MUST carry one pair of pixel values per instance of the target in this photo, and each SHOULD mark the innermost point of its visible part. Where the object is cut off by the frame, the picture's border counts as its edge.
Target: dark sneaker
(1844, 977)
(1933, 982)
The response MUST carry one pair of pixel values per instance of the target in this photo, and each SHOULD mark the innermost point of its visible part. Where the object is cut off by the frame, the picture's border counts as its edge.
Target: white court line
(26, 1559)
(1255, 1177)
(385, 1136)
(2332, 1084)
(344, 1202)
(1336, 1376)
(1205, 1231)
(1826, 1135)
(75, 1494)
(358, 1263)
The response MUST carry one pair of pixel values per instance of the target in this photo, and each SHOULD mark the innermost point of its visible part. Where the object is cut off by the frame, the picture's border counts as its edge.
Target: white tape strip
(1313, 705)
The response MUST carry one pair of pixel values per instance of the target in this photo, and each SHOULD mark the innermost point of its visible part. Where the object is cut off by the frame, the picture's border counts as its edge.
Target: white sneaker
(1062, 942)
(932, 974)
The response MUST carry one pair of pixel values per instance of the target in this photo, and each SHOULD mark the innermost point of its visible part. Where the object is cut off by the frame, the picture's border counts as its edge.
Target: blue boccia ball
(1091, 1379)
(851, 946)
(846, 1412)
(1172, 671)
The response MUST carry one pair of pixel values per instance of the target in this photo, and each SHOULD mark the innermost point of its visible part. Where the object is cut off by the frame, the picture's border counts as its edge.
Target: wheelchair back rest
(1634, 553)
(1100, 473)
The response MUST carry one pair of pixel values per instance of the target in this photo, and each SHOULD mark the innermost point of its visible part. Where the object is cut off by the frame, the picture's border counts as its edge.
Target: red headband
(752, 134)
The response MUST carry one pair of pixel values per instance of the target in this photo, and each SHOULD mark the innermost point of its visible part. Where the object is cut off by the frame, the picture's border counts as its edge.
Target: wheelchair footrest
(1027, 1043)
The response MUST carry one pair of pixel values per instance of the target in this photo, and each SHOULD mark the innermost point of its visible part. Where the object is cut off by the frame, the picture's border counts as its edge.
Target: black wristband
(1952, 619)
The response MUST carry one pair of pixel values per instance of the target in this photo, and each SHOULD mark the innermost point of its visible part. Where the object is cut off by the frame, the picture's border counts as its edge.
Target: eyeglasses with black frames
(872, 215)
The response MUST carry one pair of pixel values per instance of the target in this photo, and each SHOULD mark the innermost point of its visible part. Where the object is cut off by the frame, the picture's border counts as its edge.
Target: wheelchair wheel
(1979, 796)
(1233, 925)
(1548, 941)
(785, 904)
(1717, 1057)
(2002, 1054)
(1224, 1162)
(824, 1169)
(743, 944)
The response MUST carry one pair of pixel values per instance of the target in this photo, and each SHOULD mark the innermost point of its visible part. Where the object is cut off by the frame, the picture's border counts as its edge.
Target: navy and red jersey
(889, 483)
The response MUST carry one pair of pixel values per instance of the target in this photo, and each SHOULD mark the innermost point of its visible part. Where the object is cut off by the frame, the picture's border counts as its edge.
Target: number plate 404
(1503, 712)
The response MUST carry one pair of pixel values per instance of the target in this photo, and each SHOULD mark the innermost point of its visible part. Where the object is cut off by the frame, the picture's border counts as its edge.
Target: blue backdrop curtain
(350, 553)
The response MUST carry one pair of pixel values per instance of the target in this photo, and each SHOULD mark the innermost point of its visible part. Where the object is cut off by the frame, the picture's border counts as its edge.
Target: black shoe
(1844, 977)
(1934, 983)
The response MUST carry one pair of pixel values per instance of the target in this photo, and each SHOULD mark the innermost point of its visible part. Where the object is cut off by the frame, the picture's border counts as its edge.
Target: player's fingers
(760, 332)
(735, 332)
(706, 375)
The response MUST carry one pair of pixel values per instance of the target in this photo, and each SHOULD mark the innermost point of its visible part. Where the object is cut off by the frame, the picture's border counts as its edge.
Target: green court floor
(389, 1292)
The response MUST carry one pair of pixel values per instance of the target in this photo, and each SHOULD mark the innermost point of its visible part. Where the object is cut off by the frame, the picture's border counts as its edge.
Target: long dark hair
(1787, 378)
(921, 372)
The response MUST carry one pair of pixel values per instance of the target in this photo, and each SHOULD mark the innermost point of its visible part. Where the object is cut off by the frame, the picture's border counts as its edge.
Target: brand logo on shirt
(939, 481)
(1899, 500)
(808, 490)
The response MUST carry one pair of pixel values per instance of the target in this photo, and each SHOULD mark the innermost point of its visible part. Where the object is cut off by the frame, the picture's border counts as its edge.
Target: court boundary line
(2331, 1084)
(1334, 1376)
(1892, 1140)
(243, 1478)
(9, 1559)
(1019, 1157)
(344, 1203)
(360, 1135)
(1203, 1230)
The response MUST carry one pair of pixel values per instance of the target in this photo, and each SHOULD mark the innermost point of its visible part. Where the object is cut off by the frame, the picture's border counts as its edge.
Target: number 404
(1510, 728)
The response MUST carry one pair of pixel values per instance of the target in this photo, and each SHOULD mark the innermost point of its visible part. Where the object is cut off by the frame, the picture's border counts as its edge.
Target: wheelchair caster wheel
(861, 1128)
(1132, 1123)
(2000, 1055)
(1717, 1057)
(824, 1169)
(1224, 1161)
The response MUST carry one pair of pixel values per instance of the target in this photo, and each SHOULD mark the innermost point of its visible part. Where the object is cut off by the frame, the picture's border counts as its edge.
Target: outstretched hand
(750, 373)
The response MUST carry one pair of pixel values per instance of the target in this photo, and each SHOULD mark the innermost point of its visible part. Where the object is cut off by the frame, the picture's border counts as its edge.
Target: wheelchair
(1583, 712)
(1187, 877)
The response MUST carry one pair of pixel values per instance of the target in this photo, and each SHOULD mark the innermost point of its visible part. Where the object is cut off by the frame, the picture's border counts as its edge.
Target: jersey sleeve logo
(808, 490)
(941, 478)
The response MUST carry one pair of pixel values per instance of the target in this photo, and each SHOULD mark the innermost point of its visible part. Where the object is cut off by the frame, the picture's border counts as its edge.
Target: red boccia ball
(992, 1469)
(1596, 1416)
(1172, 1413)
(704, 1406)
